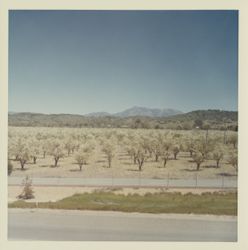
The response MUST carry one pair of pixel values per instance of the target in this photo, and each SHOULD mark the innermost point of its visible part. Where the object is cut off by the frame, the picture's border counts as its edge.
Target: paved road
(64, 225)
(131, 182)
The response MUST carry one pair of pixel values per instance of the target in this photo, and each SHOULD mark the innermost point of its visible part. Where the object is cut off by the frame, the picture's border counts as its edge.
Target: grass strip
(207, 203)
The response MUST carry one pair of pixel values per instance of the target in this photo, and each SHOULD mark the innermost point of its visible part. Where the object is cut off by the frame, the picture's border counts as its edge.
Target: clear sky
(89, 61)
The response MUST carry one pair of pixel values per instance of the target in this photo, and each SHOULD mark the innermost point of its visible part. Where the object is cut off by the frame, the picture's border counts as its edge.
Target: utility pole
(225, 135)
(207, 136)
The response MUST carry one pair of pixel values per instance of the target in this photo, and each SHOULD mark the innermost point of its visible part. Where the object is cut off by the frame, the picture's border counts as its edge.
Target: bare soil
(123, 167)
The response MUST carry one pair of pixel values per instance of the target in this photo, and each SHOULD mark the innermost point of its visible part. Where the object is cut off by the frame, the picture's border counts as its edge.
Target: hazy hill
(98, 114)
(138, 111)
(210, 115)
(216, 119)
(142, 111)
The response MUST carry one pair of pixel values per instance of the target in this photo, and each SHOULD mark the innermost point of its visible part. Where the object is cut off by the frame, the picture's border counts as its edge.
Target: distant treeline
(202, 119)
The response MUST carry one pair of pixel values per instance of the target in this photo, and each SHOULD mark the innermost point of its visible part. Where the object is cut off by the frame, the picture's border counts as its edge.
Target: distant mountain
(98, 114)
(207, 115)
(150, 112)
(138, 111)
(136, 117)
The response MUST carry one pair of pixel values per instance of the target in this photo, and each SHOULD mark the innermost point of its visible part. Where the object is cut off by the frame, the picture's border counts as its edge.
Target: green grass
(206, 203)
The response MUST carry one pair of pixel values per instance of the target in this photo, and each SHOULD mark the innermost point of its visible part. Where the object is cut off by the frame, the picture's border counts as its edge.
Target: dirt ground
(123, 167)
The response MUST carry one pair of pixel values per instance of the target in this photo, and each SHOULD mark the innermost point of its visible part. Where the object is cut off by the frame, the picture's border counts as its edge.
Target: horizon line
(112, 114)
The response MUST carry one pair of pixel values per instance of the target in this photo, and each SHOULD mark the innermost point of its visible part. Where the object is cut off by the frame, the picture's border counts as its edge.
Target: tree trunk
(44, 154)
(80, 166)
(56, 161)
(198, 166)
(109, 162)
(165, 161)
(22, 164)
(34, 160)
(217, 163)
(175, 156)
(156, 158)
(140, 163)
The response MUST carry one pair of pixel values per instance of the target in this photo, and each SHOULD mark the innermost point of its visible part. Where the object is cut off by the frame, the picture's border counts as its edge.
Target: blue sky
(89, 61)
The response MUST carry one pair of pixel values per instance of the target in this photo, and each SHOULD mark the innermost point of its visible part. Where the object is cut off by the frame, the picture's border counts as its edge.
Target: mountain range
(139, 111)
(136, 117)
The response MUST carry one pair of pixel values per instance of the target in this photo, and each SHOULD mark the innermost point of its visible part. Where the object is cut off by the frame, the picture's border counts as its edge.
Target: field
(122, 153)
(75, 155)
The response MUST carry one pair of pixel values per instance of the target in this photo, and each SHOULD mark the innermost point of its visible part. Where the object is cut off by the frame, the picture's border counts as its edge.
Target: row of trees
(141, 145)
(165, 148)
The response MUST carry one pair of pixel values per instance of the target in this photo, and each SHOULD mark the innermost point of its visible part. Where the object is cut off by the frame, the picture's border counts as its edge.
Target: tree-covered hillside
(203, 119)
